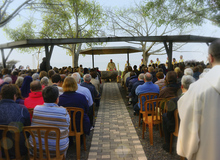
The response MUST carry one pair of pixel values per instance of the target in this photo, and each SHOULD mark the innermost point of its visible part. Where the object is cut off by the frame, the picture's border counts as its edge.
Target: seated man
(50, 114)
(56, 80)
(140, 81)
(147, 87)
(95, 95)
(168, 118)
(35, 96)
(13, 114)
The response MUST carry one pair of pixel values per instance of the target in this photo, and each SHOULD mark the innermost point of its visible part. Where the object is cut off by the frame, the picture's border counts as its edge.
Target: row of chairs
(152, 115)
(36, 131)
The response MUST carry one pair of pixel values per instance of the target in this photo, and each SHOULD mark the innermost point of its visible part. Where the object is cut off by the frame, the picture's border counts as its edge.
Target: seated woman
(70, 98)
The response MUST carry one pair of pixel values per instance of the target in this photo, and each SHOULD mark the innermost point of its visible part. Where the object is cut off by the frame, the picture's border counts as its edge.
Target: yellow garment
(174, 63)
(111, 66)
(181, 60)
(158, 63)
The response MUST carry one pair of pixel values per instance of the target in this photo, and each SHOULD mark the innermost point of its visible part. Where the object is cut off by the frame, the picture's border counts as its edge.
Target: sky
(193, 51)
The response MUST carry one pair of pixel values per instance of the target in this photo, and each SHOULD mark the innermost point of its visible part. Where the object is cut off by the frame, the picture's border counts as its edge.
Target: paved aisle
(114, 136)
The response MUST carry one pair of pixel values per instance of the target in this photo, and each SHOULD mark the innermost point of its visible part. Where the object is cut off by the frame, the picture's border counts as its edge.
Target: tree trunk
(145, 58)
(75, 59)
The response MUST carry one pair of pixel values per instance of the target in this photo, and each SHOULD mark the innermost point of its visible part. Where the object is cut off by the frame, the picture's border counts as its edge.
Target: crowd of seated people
(168, 84)
(24, 89)
(45, 93)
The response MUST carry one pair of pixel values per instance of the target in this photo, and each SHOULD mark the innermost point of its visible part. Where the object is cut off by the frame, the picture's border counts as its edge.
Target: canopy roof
(50, 43)
(43, 42)
(110, 50)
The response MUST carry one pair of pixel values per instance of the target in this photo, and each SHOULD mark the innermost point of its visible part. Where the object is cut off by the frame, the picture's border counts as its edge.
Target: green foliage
(187, 11)
(64, 19)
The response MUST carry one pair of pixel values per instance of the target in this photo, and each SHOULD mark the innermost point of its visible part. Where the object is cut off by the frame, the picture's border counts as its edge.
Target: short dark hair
(56, 78)
(171, 77)
(8, 91)
(214, 49)
(35, 85)
(93, 74)
(50, 94)
(51, 72)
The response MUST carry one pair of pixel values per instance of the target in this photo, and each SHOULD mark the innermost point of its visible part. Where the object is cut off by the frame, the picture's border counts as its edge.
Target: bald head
(35, 86)
(148, 77)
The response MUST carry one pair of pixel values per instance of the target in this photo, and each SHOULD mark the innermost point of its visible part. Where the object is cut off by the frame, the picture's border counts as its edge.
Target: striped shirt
(50, 114)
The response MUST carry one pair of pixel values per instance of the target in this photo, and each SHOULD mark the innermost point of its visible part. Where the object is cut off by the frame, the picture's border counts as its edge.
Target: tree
(5, 16)
(147, 19)
(64, 19)
(197, 10)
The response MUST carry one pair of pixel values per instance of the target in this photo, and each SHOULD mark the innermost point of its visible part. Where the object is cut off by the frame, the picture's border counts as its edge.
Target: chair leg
(171, 142)
(143, 129)
(84, 141)
(139, 119)
(182, 158)
(78, 146)
(151, 133)
(160, 129)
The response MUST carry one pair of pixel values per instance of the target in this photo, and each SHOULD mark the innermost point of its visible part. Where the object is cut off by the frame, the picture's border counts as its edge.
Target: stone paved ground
(114, 136)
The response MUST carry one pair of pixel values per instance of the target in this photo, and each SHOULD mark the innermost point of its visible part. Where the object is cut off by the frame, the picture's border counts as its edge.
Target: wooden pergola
(50, 43)
(110, 50)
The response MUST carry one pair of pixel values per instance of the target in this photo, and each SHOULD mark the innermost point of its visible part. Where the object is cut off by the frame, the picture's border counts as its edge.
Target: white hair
(44, 81)
(77, 77)
(187, 80)
(188, 71)
(35, 76)
(141, 76)
(8, 79)
(87, 77)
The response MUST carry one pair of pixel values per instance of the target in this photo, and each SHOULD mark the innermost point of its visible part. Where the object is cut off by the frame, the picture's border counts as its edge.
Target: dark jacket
(131, 81)
(134, 96)
(74, 99)
(15, 115)
(172, 106)
(92, 89)
(171, 90)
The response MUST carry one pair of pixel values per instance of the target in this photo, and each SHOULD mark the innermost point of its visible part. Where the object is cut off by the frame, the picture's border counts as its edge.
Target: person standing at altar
(111, 66)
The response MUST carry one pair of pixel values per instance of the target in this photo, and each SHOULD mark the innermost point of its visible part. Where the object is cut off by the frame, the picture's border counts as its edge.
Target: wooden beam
(92, 60)
(9, 54)
(48, 53)
(3, 58)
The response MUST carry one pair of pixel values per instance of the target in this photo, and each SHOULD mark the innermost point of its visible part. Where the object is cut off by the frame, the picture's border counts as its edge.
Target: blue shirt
(147, 87)
(86, 92)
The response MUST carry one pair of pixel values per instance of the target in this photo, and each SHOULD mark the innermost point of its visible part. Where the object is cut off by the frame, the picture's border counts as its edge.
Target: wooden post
(48, 53)
(169, 53)
(92, 60)
(3, 58)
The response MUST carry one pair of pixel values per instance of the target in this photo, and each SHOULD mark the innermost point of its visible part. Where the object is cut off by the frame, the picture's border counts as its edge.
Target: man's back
(199, 119)
(92, 89)
(50, 114)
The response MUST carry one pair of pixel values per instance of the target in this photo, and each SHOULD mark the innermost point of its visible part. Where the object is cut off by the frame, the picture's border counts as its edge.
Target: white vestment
(199, 111)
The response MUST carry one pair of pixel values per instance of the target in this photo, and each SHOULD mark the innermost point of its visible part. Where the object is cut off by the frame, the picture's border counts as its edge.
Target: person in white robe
(199, 110)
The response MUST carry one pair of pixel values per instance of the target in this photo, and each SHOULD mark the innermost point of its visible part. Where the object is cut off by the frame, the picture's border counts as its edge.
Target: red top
(34, 98)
